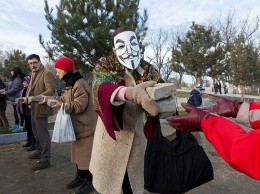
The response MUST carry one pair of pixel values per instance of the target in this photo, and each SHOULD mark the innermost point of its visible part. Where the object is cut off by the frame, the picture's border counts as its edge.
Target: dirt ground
(17, 178)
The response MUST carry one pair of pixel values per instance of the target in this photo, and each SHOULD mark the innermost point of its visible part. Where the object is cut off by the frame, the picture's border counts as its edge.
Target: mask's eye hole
(121, 46)
(133, 43)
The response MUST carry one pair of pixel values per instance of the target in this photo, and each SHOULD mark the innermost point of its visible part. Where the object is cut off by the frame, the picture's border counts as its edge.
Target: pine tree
(81, 30)
(245, 64)
(15, 58)
(198, 53)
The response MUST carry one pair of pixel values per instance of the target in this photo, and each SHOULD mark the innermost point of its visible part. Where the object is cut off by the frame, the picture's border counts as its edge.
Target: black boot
(79, 180)
(28, 144)
(87, 186)
(31, 148)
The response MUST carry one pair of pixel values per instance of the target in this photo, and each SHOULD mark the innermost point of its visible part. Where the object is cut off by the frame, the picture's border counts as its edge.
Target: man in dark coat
(216, 87)
(219, 87)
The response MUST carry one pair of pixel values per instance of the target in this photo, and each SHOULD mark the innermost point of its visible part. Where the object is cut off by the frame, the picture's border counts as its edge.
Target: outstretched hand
(188, 122)
(223, 106)
(43, 100)
(139, 95)
(57, 105)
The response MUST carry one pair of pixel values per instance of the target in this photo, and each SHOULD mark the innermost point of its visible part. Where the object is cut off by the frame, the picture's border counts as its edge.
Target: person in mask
(124, 113)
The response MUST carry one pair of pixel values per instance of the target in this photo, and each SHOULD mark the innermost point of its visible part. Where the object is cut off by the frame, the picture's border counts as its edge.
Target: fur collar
(70, 78)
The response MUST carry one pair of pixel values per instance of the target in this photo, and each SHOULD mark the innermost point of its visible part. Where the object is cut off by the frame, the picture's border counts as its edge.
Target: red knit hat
(64, 63)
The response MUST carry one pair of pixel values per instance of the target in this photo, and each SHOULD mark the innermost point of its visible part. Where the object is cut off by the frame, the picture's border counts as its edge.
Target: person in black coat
(219, 87)
(3, 105)
(195, 98)
(216, 87)
(26, 116)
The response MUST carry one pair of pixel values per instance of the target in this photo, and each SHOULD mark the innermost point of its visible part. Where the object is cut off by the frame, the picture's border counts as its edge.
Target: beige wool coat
(42, 84)
(110, 158)
(79, 105)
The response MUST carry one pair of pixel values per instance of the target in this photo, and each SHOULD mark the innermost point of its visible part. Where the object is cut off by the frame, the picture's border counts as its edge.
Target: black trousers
(126, 187)
(28, 126)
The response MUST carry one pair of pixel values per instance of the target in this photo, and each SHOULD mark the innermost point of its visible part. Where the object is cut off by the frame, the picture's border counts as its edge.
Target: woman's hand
(57, 105)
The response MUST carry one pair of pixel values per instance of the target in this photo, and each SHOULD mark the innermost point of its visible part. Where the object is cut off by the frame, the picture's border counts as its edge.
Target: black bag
(177, 166)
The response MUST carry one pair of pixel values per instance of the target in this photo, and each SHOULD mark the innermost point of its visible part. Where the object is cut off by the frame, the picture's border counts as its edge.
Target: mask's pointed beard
(133, 65)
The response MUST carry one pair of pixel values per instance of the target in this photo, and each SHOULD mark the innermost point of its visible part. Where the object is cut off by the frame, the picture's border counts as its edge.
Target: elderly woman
(78, 103)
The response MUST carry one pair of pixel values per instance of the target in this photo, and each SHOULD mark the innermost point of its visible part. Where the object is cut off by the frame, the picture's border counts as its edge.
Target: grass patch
(182, 111)
(5, 130)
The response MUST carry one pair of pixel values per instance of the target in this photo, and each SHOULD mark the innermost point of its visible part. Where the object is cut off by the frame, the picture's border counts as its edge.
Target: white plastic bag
(63, 130)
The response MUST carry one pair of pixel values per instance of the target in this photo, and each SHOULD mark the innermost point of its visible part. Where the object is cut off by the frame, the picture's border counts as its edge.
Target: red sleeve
(105, 91)
(239, 149)
(254, 115)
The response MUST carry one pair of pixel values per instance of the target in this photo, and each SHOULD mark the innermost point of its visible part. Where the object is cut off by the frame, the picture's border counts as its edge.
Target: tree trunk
(198, 80)
(242, 87)
(180, 81)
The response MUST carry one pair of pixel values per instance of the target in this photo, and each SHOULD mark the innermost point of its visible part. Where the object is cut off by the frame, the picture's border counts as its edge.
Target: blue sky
(21, 21)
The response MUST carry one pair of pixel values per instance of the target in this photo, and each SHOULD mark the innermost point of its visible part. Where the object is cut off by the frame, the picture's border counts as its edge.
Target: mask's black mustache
(132, 63)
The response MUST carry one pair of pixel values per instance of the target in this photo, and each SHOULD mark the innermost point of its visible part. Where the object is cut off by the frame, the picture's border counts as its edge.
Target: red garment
(240, 149)
(105, 91)
(253, 109)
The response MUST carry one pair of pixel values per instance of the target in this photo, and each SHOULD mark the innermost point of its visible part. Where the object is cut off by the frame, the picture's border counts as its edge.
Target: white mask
(127, 49)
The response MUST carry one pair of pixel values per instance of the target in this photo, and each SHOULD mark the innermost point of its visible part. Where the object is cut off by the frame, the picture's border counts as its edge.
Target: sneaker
(17, 130)
(41, 165)
(13, 127)
(34, 156)
(85, 188)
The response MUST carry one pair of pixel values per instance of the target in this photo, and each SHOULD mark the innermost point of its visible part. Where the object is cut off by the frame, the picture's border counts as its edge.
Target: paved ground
(17, 178)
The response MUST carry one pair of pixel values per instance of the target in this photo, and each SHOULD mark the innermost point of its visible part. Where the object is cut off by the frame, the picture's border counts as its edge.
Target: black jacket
(195, 98)
(2, 99)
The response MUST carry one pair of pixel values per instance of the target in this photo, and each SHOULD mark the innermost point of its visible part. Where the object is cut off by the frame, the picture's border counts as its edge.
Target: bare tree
(5, 52)
(176, 66)
(232, 28)
(160, 45)
(226, 24)
(250, 29)
(49, 64)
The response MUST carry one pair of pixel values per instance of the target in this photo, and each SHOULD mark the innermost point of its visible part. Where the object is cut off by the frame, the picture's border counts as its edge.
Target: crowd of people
(113, 120)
